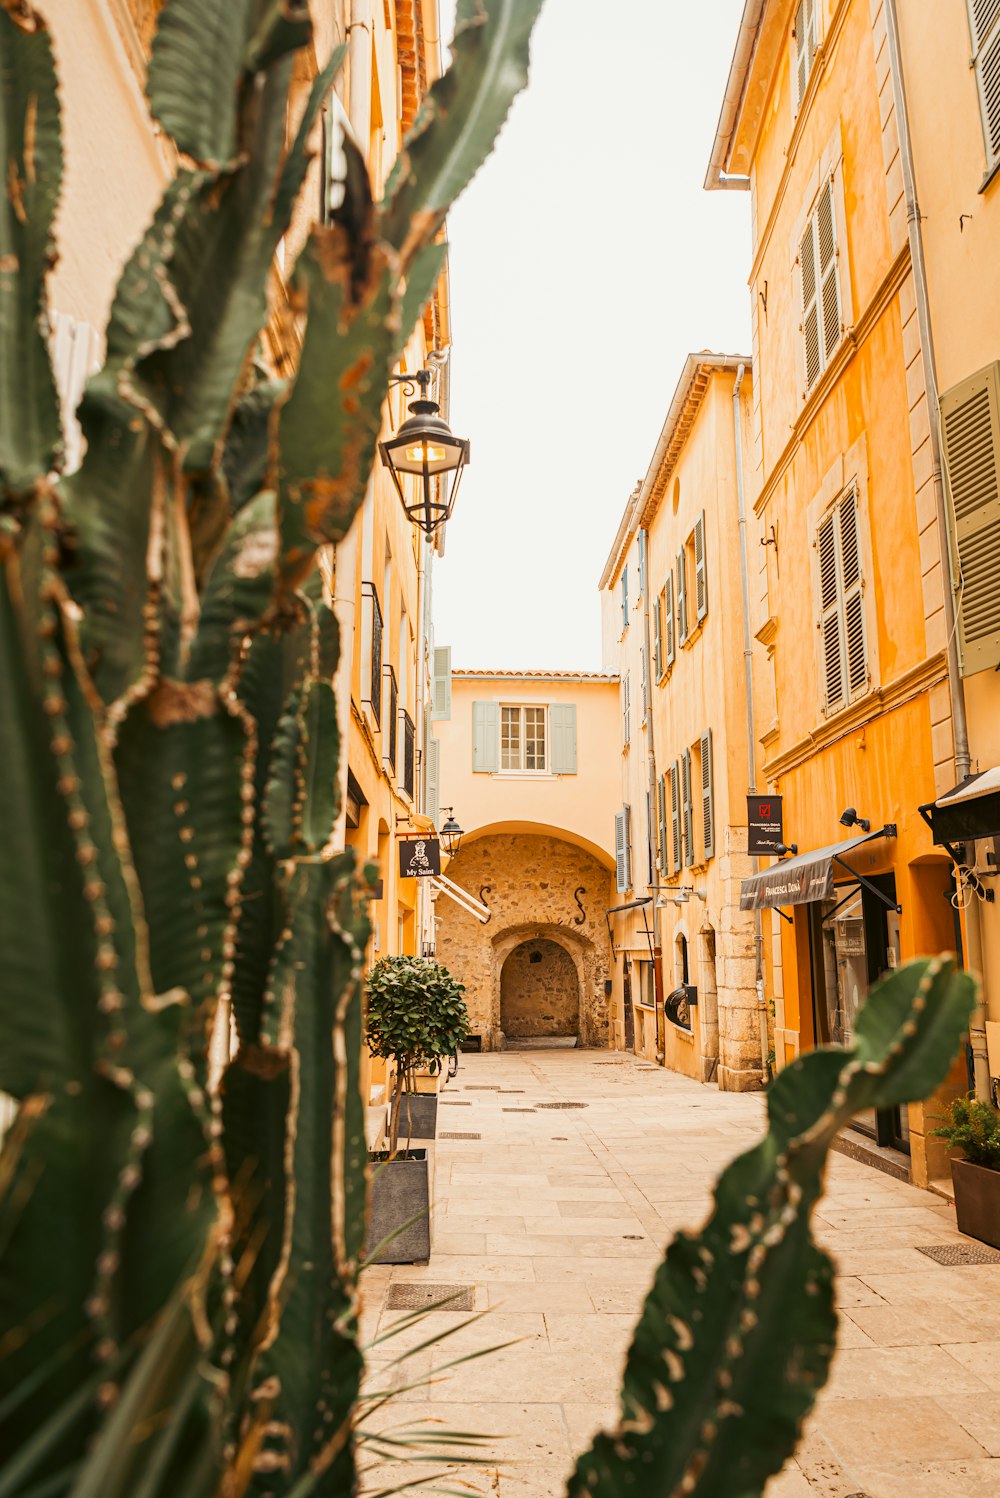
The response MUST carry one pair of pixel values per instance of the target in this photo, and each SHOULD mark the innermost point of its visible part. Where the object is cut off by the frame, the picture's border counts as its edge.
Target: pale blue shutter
(661, 809)
(432, 781)
(441, 687)
(641, 541)
(700, 572)
(669, 621)
(682, 597)
(675, 815)
(658, 638)
(562, 724)
(486, 737)
(621, 870)
(707, 795)
(627, 810)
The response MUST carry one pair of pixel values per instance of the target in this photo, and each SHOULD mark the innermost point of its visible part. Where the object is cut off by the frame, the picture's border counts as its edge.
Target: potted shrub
(974, 1127)
(415, 1018)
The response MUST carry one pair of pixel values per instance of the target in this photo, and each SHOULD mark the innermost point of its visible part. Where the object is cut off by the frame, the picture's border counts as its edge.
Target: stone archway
(539, 992)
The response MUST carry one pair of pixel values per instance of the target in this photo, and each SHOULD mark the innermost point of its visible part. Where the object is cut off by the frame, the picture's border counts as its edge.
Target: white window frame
(522, 769)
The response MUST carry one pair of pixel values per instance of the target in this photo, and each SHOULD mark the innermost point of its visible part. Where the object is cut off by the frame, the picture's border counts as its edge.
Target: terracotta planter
(400, 1192)
(977, 1201)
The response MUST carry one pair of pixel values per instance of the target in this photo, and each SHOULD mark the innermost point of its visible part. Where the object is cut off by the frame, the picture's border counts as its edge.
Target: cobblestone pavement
(556, 1218)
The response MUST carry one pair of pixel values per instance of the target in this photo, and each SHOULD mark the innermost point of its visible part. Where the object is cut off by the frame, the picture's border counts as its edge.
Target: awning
(970, 810)
(804, 878)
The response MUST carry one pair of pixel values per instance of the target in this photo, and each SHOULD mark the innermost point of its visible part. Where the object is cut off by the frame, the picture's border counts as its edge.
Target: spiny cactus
(169, 744)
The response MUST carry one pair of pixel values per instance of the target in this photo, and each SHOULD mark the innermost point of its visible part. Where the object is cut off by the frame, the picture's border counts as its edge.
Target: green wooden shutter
(661, 817)
(658, 638)
(687, 808)
(621, 868)
(700, 571)
(486, 737)
(682, 598)
(707, 795)
(675, 815)
(669, 621)
(562, 725)
(970, 423)
(441, 688)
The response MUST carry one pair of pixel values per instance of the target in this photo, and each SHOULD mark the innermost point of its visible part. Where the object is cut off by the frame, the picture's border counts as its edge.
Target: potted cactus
(973, 1126)
(415, 1017)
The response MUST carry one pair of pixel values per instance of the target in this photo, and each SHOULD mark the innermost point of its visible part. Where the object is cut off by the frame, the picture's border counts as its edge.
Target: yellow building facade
(688, 992)
(528, 767)
(851, 596)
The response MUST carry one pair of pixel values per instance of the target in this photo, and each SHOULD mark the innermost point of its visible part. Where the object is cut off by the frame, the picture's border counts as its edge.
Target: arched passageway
(539, 992)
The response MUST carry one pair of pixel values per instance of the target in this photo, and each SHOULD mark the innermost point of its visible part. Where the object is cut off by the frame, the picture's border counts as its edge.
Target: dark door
(627, 1000)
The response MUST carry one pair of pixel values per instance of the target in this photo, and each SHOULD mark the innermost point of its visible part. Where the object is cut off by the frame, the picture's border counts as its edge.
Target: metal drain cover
(453, 1102)
(414, 1297)
(517, 1110)
(959, 1253)
(459, 1136)
(563, 1105)
(480, 1087)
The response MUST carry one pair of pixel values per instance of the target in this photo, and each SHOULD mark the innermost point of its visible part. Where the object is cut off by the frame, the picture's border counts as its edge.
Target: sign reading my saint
(419, 858)
(764, 823)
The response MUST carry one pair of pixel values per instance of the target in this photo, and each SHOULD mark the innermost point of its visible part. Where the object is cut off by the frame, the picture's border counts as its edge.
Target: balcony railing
(389, 740)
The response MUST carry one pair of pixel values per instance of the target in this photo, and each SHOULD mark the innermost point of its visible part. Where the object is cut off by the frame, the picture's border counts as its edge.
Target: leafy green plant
(178, 1271)
(973, 1126)
(415, 1016)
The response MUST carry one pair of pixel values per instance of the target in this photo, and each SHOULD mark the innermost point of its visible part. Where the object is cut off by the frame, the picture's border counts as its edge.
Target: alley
(559, 1175)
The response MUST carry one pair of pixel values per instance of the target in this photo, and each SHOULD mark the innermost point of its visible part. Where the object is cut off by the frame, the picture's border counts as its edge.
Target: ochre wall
(537, 887)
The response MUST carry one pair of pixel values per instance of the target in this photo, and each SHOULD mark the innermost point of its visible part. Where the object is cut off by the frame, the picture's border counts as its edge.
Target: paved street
(555, 1219)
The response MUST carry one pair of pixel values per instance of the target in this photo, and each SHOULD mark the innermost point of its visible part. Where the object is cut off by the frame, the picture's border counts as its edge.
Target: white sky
(586, 262)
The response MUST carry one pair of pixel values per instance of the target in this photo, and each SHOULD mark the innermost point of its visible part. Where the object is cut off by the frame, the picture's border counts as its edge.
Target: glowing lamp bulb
(425, 453)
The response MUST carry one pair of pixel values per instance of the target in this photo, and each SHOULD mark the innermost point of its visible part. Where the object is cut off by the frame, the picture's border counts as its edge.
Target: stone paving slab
(558, 1219)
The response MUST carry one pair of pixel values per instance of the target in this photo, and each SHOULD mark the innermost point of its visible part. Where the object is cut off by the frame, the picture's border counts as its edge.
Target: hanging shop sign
(766, 833)
(419, 858)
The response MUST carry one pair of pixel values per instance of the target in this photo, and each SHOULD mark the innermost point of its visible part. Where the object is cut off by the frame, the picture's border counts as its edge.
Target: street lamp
(426, 449)
(451, 833)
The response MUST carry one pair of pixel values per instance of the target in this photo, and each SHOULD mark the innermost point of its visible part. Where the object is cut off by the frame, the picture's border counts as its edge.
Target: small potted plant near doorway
(973, 1126)
(415, 1018)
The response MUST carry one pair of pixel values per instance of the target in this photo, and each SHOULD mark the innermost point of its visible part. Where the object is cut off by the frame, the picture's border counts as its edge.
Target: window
(707, 782)
(687, 809)
(669, 630)
(640, 542)
(408, 780)
(623, 850)
(371, 668)
(970, 424)
(644, 672)
(806, 28)
(661, 823)
(441, 684)
(675, 817)
(658, 638)
(513, 738)
(646, 985)
(522, 738)
(682, 596)
(820, 280)
(624, 599)
(692, 587)
(841, 619)
(391, 709)
(984, 19)
(626, 710)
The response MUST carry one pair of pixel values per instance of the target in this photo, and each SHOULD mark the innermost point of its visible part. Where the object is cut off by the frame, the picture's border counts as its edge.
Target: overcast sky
(586, 262)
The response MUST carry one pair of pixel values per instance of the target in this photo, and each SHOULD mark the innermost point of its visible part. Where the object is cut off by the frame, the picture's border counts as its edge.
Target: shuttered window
(640, 542)
(820, 277)
(687, 808)
(984, 19)
(682, 598)
(523, 739)
(644, 672)
(806, 28)
(658, 638)
(407, 733)
(675, 816)
(841, 604)
(707, 795)
(562, 723)
(441, 684)
(624, 599)
(661, 823)
(486, 737)
(623, 850)
(626, 691)
(700, 572)
(371, 648)
(970, 424)
(669, 627)
(431, 776)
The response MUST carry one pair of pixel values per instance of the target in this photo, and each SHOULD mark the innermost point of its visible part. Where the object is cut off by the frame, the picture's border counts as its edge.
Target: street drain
(452, 1102)
(634, 1237)
(480, 1087)
(511, 1091)
(412, 1297)
(611, 1063)
(459, 1136)
(959, 1253)
(517, 1110)
(563, 1105)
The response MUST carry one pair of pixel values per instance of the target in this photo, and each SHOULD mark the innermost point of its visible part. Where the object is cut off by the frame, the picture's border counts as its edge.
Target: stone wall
(538, 888)
(539, 991)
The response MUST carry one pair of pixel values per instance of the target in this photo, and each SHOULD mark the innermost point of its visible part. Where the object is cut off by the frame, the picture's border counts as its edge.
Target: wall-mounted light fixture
(781, 849)
(850, 818)
(425, 450)
(451, 833)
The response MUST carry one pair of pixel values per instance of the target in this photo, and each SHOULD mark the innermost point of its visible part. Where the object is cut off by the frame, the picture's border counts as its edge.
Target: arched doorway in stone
(539, 993)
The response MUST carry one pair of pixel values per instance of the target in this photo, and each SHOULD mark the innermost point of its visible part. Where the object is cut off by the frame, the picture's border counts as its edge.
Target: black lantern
(425, 449)
(451, 833)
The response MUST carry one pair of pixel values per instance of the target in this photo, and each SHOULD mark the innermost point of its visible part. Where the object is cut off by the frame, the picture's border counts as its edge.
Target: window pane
(510, 738)
(534, 738)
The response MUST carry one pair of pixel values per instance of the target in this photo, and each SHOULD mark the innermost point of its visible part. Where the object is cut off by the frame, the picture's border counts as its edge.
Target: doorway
(539, 992)
(627, 1001)
(854, 941)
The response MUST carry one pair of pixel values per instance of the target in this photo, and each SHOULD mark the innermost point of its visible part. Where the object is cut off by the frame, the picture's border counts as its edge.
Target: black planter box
(977, 1201)
(399, 1192)
(418, 1116)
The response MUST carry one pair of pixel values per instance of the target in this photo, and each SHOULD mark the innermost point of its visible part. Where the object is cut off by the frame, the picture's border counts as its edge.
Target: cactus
(738, 1330)
(169, 745)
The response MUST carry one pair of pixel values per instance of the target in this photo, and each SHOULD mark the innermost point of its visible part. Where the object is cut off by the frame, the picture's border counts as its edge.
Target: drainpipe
(651, 816)
(758, 927)
(359, 43)
(960, 727)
